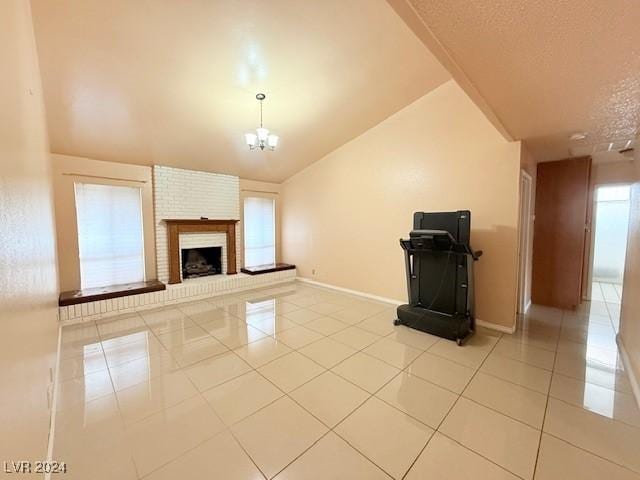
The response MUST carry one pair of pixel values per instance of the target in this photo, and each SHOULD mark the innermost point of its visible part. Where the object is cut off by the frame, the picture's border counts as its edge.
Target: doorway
(609, 242)
(525, 247)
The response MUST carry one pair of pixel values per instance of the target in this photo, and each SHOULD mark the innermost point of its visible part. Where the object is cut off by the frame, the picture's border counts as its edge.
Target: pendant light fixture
(262, 138)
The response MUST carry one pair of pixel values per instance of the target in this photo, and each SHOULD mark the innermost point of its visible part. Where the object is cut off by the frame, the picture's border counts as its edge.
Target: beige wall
(68, 170)
(615, 172)
(630, 312)
(253, 188)
(343, 215)
(28, 286)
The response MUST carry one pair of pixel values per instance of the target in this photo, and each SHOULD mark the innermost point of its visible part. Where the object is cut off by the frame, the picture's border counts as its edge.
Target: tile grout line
(589, 452)
(460, 395)
(518, 384)
(546, 407)
(486, 372)
(181, 369)
(615, 392)
(229, 350)
(286, 394)
(501, 467)
(135, 464)
(227, 427)
(502, 413)
(373, 395)
(332, 429)
(128, 426)
(568, 442)
(254, 369)
(403, 370)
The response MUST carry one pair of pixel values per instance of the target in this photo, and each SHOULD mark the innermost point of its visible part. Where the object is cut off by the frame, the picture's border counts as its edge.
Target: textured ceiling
(545, 68)
(173, 82)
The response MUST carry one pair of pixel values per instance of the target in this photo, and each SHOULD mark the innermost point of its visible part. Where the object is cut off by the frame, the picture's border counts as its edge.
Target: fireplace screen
(200, 262)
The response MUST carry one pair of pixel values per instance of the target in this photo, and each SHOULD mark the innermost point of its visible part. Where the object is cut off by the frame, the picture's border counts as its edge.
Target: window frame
(263, 196)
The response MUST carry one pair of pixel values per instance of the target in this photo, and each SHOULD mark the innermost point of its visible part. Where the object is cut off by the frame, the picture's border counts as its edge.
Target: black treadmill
(439, 262)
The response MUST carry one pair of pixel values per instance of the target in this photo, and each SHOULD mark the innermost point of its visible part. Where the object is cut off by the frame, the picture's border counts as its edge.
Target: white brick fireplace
(186, 195)
(190, 194)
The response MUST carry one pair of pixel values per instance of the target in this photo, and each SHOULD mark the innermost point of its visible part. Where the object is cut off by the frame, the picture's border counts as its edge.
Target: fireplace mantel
(177, 226)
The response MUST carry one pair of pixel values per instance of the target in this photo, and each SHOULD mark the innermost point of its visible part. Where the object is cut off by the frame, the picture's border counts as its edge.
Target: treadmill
(439, 262)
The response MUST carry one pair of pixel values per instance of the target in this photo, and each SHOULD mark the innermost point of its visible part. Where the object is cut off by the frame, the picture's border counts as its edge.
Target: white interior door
(525, 247)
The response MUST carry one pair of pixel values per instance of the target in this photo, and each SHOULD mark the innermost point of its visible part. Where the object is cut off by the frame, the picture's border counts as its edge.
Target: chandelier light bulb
(261, 139)
(272, 141)
(251, 139)
(263, 134)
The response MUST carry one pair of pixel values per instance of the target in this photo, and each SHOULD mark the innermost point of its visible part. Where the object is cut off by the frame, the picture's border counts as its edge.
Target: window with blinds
(259, 231)
(110, 236)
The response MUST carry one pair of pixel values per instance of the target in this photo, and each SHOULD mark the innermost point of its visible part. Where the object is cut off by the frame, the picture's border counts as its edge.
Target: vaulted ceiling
(542, 69)
(173, 82)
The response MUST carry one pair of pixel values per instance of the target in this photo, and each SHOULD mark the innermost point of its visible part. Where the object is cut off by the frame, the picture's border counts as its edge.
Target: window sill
(76, 297)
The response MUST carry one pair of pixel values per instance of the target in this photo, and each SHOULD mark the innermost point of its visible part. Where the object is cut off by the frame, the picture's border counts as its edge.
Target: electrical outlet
(313, 272)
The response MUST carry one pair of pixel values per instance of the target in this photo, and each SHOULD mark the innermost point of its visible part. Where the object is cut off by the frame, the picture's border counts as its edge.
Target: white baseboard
(492, 326)
(54, 402)
(351, 292)
(633, 376)
(495, 326)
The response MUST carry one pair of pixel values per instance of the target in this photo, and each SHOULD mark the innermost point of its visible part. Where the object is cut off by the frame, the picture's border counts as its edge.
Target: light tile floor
(297, 382)
(606, 292)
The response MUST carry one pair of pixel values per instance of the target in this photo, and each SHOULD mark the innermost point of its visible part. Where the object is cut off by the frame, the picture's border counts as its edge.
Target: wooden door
(562, 193)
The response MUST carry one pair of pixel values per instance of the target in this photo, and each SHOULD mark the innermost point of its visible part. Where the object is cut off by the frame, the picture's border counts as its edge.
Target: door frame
(592, 232)
(525, 241)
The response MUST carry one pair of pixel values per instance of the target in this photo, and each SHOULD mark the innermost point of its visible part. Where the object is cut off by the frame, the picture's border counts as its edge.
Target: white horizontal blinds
(110, 236)
(259, 231)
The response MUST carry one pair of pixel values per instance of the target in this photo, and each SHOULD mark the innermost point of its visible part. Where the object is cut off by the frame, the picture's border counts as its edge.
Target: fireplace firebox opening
(200, 262)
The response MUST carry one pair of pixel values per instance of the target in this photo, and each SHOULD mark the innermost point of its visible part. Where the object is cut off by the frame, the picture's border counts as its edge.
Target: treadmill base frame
(457, 328)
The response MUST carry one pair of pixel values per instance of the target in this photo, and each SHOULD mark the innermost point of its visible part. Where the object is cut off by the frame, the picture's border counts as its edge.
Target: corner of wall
(629, 333)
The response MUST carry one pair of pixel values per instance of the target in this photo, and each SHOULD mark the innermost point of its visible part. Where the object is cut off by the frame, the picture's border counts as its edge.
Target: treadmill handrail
(454, 248)
(432, 233)
(406, 245)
